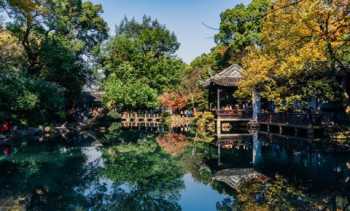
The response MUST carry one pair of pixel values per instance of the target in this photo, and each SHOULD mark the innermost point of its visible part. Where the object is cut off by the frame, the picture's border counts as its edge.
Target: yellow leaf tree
(303, 53)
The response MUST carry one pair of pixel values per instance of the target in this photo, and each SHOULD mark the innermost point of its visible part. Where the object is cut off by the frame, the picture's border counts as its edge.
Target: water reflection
(301, 174)
(144, 171)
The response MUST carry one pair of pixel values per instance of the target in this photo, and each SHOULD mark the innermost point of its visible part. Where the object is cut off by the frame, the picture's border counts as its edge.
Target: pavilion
(221, 88)
(220, 97)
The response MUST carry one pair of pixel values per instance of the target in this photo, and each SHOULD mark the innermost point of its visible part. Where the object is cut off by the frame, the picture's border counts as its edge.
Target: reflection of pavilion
(234, 177)
(249, 142)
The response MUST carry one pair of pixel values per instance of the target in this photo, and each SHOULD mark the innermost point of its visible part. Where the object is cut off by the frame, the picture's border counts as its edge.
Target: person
(5, 127)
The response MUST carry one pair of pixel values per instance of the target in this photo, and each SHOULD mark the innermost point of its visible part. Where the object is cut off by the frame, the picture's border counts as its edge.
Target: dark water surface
(169, 172)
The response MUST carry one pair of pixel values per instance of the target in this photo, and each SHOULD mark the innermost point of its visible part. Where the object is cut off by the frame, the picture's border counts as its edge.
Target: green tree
(134, 94)
(240, 27)
(140, 62)
(57, 38)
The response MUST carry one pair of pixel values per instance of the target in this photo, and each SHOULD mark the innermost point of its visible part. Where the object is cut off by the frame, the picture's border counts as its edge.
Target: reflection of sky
(197, 196)
(93, 156)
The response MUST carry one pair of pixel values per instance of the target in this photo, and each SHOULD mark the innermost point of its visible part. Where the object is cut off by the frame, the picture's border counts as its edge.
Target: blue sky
(184, 17)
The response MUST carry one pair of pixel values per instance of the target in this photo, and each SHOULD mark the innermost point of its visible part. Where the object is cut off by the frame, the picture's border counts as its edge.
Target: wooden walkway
(301, 125)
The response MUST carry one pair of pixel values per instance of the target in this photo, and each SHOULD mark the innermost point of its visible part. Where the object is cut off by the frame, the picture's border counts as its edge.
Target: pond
(136, 170)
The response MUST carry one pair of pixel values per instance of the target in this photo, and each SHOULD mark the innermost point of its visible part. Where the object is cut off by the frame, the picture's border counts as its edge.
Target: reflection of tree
(153, 179)
(203, 127)
(115, 133)
(173, 143)
(120, 199)
(278, 194)
(195, 160)
(44, 177)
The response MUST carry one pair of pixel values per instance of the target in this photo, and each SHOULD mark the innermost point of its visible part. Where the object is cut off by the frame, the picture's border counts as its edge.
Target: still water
(143, 171)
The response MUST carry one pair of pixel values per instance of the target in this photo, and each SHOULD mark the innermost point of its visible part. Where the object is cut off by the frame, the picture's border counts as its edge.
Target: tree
(153, 36)
(11, 53)
(304, 46)
(240, 27)
(190, 93)
(173, 100)
(124, 96)
(141, 55)
(57, 38)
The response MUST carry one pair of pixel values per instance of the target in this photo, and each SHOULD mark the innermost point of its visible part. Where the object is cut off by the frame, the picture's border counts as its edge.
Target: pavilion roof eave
(229, 77)
(224, 83)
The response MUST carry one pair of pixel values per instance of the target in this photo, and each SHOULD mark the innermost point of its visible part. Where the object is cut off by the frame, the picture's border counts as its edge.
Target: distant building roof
(228, 77)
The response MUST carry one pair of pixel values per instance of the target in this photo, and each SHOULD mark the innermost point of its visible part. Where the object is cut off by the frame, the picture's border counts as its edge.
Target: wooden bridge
(178, 121)
(236, 177)
(153, 120)
(134, 120)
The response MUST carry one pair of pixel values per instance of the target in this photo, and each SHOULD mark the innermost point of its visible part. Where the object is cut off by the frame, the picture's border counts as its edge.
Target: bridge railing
(234, 113)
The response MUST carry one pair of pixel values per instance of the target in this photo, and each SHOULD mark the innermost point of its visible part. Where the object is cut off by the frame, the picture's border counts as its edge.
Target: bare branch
(210, 27)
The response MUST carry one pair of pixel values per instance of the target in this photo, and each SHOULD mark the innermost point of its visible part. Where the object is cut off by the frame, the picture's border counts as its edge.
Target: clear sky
(184, 17)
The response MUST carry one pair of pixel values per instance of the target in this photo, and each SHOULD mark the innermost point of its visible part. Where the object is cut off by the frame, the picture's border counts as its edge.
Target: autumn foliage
(173, 100)
(304, 52)
(173, 143)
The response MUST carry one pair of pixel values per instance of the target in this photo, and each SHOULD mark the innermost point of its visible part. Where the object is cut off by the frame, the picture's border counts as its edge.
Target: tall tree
(140, 55)
(45, 50)
(240, 27)
(305, 46)
(57, 37)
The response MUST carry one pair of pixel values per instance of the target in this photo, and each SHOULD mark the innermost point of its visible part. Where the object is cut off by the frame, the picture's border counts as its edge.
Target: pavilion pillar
(256, 99)
(218, 99)
(218, 120)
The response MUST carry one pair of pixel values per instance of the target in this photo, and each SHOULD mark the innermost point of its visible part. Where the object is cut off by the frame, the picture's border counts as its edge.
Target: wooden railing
(291, 118)
(134, 119)
(234, 113)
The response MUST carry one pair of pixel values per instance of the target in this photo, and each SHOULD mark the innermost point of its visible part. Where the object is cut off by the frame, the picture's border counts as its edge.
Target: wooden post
(218, 121)
(218, 126)
(218, 99)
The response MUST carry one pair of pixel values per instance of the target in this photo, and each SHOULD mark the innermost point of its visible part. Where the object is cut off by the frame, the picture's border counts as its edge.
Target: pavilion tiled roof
(228, 77)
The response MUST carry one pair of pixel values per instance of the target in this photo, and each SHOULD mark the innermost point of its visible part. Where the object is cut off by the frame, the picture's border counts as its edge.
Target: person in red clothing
(5, 127)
